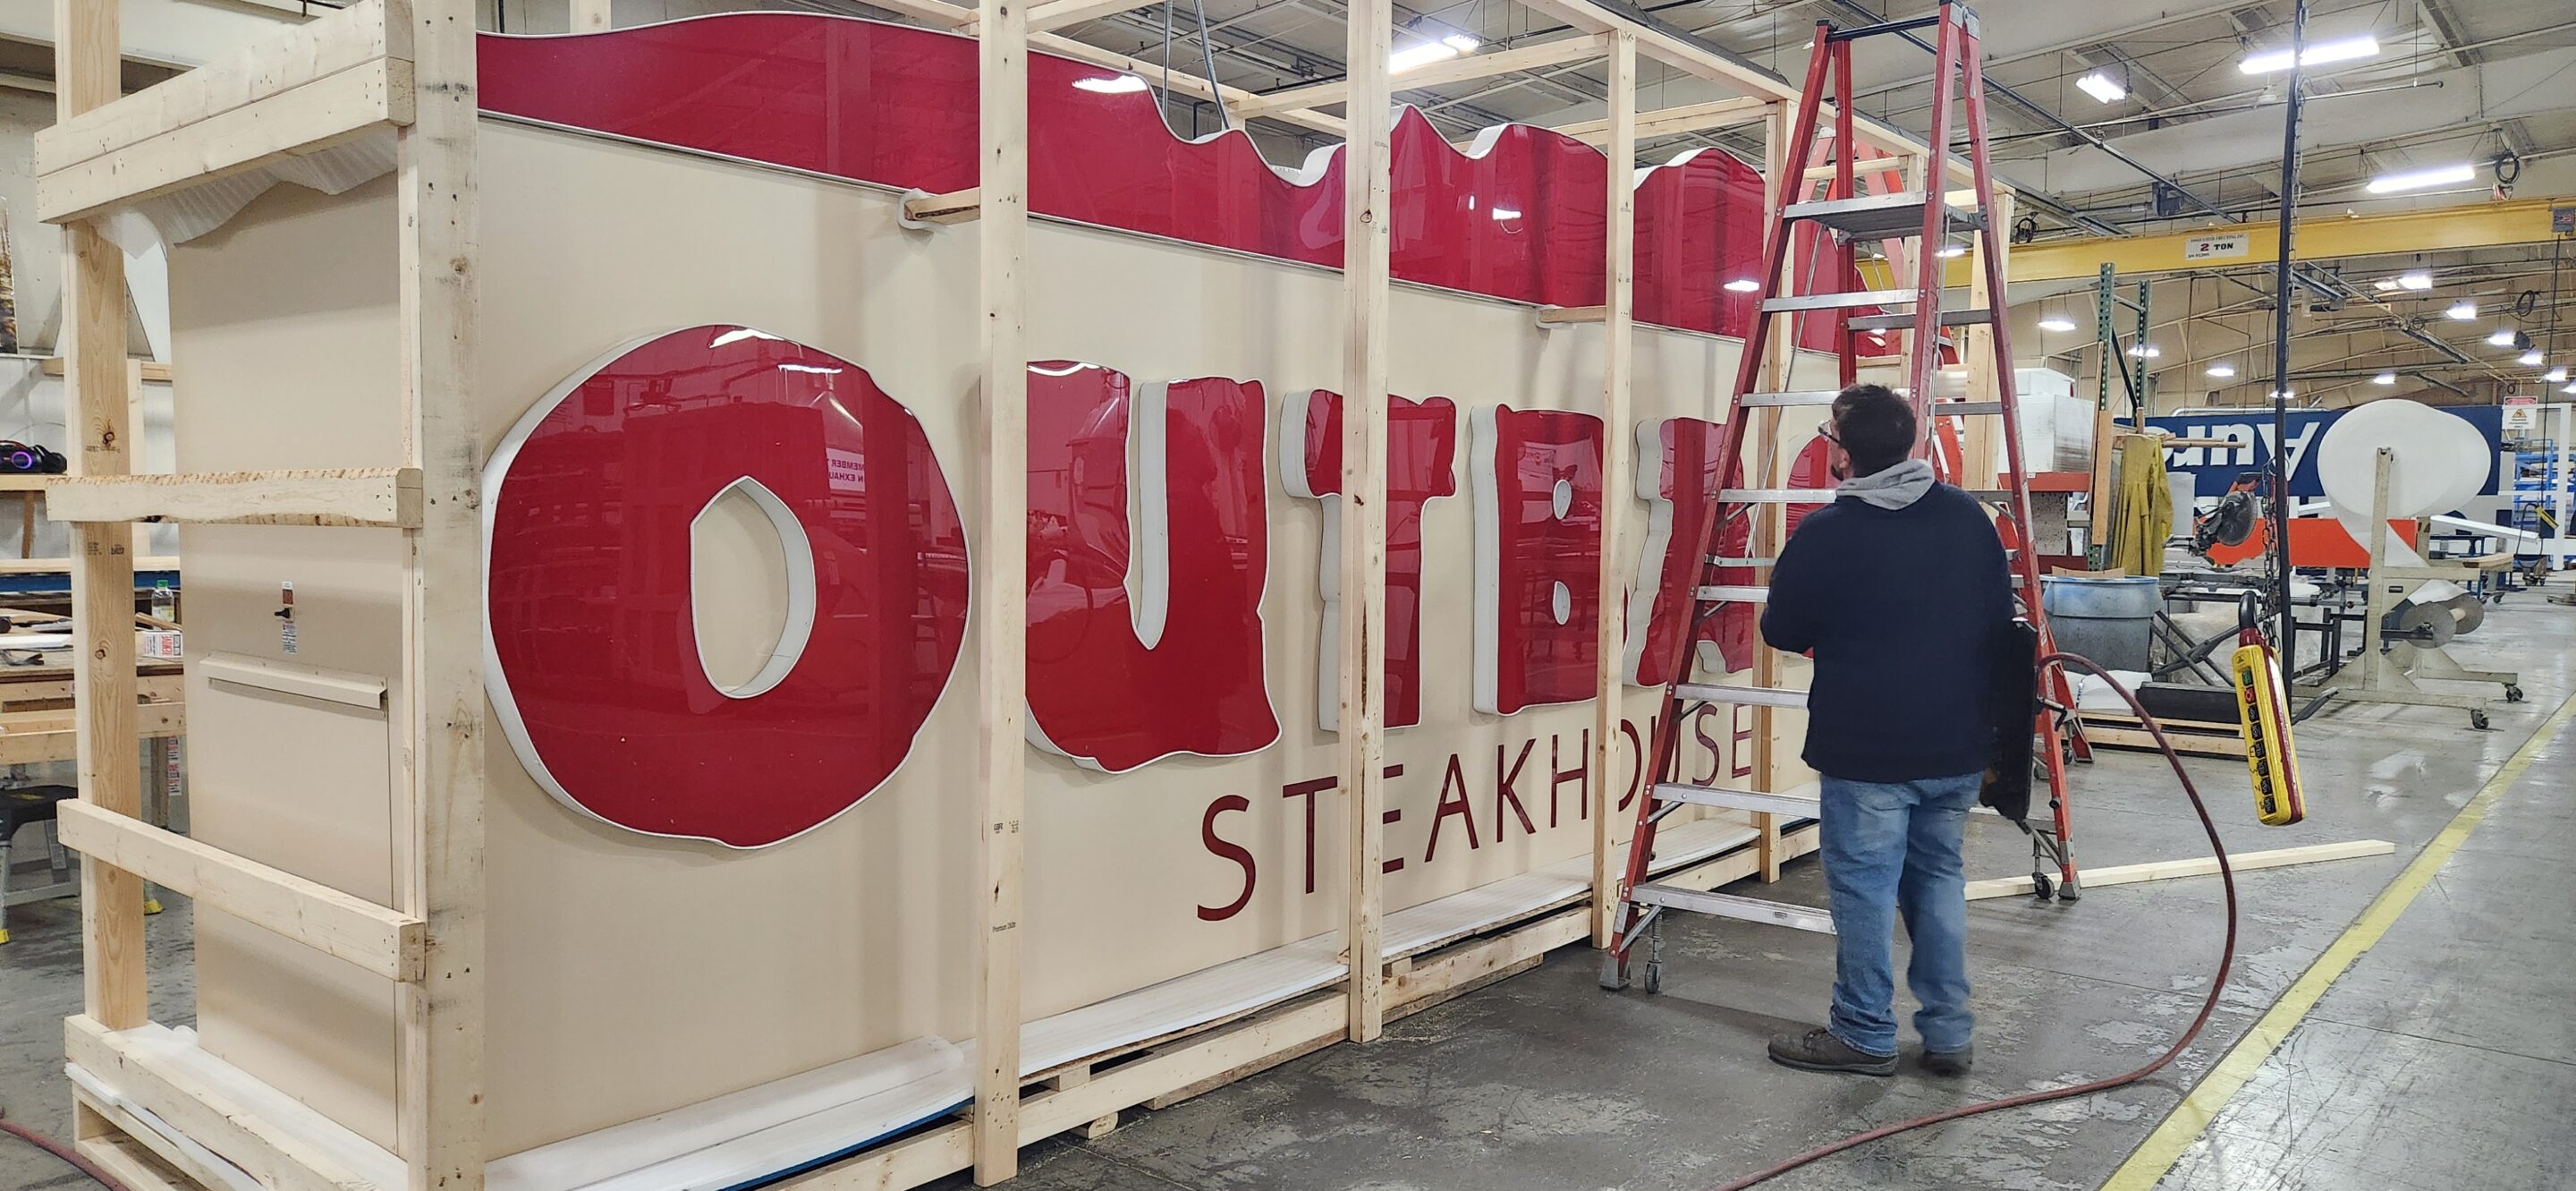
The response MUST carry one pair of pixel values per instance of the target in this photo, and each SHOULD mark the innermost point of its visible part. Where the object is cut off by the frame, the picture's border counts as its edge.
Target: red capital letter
(1231, 851)
(1111, 685)
(1538, 548)
(1678, 492)
(1421, 451)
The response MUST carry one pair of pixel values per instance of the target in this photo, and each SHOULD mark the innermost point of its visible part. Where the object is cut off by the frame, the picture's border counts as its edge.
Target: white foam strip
(177, 1051)
(234, 1177)
(711, 1132)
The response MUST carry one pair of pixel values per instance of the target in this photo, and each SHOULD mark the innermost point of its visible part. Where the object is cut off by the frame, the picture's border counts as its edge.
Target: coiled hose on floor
(2217, 982)
(59, 1150)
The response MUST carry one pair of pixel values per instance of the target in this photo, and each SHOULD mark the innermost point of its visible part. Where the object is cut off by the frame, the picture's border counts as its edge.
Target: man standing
(1899, 590)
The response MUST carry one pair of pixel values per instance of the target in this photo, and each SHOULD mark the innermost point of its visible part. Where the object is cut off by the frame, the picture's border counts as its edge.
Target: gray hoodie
(1893, 488)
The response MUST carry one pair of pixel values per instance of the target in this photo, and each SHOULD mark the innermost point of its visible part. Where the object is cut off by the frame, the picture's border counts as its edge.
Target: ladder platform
(1879, 216)
(1800, 397)
(1843, 301)
(1760, 801)
(1735, 593)
(1728, 905)
(1751, 696)
(1900, 322)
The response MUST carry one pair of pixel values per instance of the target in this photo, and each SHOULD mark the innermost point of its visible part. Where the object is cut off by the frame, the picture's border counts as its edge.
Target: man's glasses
(1825, 431)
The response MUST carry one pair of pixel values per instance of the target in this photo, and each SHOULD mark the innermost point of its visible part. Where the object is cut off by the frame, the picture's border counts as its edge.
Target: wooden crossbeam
(956, 206)
(382, 941)
(1179, 83)
(1673, 121)
(358, 496)
(1570, 316)
(213, 1115)
(1460, 69)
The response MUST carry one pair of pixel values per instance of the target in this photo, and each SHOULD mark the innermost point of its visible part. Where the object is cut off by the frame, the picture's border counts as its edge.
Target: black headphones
(26, 458)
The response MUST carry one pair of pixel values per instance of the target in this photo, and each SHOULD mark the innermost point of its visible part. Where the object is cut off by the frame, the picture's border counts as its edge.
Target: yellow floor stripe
(2156, 1156)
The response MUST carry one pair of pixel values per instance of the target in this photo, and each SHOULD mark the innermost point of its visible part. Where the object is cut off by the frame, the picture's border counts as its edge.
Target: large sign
(1148, 557)
(2250, 431)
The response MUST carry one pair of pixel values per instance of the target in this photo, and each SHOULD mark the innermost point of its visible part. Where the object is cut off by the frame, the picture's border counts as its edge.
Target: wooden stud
(86, 71)
(382, 941)
(329, 111)
(1464, 68)
(2197, 866)
(956, 206)
(1618, 347)
(1981, 440)
(360, 496)
(591, 16)
(1571, 316)
(1001, 599)
(1176, 82)
(439, 1088)
(1361, 708)
(1672, 121)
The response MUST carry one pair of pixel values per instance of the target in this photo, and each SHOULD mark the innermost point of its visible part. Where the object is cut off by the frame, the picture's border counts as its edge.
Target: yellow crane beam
(2228, 246)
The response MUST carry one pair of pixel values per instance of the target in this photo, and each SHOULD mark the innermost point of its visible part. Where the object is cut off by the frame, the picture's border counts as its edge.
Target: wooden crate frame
(407, 67)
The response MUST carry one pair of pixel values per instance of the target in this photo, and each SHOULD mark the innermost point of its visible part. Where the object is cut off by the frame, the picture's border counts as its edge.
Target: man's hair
(1875, 427)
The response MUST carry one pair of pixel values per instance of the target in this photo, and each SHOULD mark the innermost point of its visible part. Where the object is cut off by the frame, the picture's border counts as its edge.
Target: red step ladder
(1926, 218)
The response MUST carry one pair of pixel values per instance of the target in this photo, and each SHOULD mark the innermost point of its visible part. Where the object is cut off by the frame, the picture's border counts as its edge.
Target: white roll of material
(2436, 464)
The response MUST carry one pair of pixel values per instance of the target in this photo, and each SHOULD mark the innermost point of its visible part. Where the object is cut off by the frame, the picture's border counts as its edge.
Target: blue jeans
(1892, 849)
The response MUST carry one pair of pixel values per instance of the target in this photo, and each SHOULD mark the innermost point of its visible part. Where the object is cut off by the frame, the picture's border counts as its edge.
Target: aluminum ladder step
(1775, 496)
(1844, 301)
(1878, 216)
(1742, 800)
(1728, 905)
(1801, 397)
(1753, 696)
(1720, 560)
(1965, 409)
(1734, 593)
(1899, 322)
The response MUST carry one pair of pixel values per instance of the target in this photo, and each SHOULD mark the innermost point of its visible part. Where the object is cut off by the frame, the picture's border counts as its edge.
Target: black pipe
(2282, 277)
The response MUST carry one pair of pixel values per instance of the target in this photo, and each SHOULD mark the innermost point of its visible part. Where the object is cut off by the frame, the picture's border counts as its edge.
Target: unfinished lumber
(385, 942)
(2197, 866)
(208, 1112)
(285, 60)
(1673, 121)
(1002, 598)
(384, 497)
(1176, 82)
(1464, 68)
(1618, 352)
(368, 98)
(1367, 241)
(1572, 316)
(956, 206)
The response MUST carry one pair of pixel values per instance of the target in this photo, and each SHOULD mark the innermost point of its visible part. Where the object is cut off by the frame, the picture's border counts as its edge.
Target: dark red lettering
(1231, 851)
(1453, 801)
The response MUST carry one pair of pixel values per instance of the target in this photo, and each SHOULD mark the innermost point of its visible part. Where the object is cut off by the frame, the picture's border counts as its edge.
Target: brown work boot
(1819, 1050)
(1950, 1063)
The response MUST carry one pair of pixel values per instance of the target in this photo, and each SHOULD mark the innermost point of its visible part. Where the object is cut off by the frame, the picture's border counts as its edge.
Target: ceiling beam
(1181, 84)
(1435, 74)
(2474, 225)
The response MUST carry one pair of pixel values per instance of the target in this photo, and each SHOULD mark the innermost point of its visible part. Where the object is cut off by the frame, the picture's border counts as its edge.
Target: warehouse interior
(699, 595)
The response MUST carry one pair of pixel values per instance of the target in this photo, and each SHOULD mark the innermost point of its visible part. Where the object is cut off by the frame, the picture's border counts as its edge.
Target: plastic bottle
(165, 605)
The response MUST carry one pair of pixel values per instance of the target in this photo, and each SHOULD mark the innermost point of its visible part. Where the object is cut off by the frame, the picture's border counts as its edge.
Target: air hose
(2217, 982)
(59, 1150)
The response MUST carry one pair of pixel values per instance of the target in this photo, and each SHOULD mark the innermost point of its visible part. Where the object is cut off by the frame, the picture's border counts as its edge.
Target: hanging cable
(1207, 54)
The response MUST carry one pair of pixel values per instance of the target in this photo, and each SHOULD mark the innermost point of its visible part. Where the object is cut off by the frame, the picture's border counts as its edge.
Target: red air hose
(2217, 983)
(59, 1150)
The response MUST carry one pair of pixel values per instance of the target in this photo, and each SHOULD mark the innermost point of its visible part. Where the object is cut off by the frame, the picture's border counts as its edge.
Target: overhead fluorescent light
(2385, 378)
(2532, 358)
(2343, 50)
(2500, 339)
(2222, 369)
(2417, 280)
(1430, 52)
(2462, 310)
(2445, 175)
(2568, 389)
(2102, 87)
(2385, 285)
(2146, 351)
(2056, 323)
(1742, 285)
(2555, 375)
(1116, 84)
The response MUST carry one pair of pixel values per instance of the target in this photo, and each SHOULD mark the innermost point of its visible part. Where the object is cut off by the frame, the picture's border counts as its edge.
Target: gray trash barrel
(2107, 620)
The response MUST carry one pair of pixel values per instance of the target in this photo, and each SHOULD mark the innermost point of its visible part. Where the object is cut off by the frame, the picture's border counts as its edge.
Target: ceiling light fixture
(2102, 87)
(2385, 378)
(2343, 50)
(2555, 375)
(2384, 284)
(1430, 52)
(2146, 351)
(2056, 323)
(2532, 358)
(2417, 280)
(2222, 369)
(2462, 310)
(2447, 175)
(2500, 339)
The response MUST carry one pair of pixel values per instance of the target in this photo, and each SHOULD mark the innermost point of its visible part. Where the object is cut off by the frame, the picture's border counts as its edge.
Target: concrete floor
(2445, 1058)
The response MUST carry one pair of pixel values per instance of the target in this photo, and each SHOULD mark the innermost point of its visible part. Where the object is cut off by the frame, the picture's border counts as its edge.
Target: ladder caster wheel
(2041, 888)
(2513, 694)
(1614, 971)
(2478, 720)
(1654, 982)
